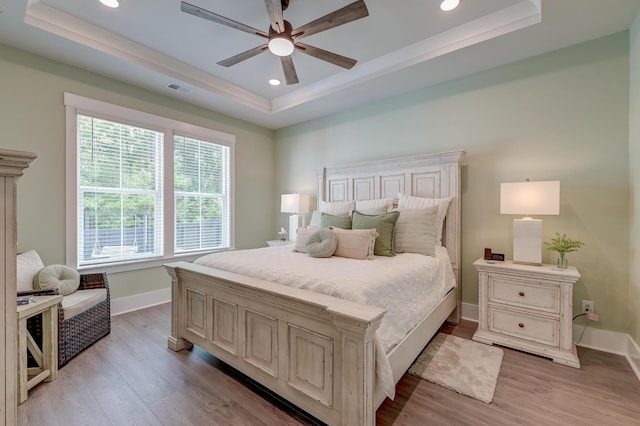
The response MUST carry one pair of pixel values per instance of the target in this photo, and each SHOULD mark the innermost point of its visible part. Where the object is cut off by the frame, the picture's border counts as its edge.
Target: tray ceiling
(400, 46)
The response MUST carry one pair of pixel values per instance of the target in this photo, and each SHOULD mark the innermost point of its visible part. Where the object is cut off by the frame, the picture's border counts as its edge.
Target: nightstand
(528, 308)
(278, 243)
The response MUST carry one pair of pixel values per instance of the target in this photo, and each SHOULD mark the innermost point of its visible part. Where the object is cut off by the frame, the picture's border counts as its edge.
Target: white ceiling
(401, 46)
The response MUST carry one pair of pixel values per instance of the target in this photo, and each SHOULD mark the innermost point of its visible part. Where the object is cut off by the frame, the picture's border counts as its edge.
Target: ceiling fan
(282, 38)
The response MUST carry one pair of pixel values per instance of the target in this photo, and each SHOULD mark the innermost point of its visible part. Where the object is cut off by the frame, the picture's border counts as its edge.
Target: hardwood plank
(122, 406)
(131, 377)
(195, 372)
(71, 399)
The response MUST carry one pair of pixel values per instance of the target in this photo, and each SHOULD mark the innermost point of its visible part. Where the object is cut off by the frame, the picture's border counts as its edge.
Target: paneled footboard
(316, 351)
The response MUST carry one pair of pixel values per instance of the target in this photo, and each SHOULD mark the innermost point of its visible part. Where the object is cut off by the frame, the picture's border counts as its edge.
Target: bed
(323, 353)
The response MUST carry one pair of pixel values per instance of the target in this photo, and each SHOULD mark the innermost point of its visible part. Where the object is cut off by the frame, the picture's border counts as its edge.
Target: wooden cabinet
(12, 165)
(529, 308)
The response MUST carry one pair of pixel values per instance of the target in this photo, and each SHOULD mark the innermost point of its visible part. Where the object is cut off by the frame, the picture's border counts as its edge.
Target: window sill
(136, 265)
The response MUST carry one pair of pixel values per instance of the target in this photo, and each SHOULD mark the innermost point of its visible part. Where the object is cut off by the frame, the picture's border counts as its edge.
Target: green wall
(559, 116)
(634, 163)
(566, 115)
(33, 119)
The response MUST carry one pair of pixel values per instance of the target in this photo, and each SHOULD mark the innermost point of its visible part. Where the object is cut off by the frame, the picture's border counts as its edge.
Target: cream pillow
(301, 238)
(64, 278)
(355, 243)
(337, 208)
(411, 202)
(416, 231)
(372, 211)
(28, 265)
(376, 206)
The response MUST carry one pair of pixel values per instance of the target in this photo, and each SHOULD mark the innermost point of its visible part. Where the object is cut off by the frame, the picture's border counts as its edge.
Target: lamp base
(527, 241)
(294, 223)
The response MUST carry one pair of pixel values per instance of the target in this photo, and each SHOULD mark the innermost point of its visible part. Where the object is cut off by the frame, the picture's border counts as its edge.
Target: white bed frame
(317, 351)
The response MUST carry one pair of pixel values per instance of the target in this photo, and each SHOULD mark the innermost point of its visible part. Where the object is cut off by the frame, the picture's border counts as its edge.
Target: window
(201, 183)
(143, 188)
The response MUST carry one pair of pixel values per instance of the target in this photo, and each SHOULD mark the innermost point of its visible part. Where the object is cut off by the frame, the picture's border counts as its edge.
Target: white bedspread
(407, 286)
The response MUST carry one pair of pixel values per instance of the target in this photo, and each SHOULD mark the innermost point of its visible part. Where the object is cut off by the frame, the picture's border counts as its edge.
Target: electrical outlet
(588, 307)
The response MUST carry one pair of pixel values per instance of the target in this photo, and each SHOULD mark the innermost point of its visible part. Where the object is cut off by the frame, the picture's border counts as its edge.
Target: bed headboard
(431, 175)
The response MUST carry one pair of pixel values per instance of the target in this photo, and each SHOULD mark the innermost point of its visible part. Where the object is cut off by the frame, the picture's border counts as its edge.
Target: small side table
(278, 243)
(529, 308)
(47, 356)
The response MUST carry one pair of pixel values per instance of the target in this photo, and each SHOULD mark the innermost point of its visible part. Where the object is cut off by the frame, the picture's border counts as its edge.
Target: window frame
(74, 105)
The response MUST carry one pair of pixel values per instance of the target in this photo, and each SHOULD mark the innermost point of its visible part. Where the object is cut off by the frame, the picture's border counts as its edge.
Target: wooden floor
(131, 378)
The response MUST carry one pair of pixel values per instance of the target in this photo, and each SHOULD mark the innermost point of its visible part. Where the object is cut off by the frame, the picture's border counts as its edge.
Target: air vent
(179, 88)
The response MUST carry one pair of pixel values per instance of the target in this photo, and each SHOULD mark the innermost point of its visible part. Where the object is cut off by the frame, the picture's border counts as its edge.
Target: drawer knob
(521, 325)
(521, 293)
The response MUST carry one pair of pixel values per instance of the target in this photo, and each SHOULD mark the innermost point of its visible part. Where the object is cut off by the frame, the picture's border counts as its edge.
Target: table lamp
(296, 204)
(529, 198)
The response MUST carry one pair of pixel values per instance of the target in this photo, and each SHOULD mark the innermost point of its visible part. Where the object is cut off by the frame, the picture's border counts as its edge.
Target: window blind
(119, 192)
(202, 199)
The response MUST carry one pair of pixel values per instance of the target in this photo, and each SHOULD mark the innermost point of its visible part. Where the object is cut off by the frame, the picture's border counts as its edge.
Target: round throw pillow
(62, 277)
(321, 243)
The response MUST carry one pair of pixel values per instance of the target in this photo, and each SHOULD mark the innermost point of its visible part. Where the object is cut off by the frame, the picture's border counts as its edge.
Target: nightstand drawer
(524, 326)
(524, 294)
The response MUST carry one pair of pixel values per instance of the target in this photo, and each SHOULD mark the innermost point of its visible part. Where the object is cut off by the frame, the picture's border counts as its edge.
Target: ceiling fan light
(447, 5)
(281, 46)
(110, 3)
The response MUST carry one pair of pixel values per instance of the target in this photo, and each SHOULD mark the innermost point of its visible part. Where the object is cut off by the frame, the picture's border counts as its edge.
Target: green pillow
(327, 220)
(384, 224)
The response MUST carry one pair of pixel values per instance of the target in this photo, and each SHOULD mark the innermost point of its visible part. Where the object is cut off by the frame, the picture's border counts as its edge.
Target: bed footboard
(316, 351)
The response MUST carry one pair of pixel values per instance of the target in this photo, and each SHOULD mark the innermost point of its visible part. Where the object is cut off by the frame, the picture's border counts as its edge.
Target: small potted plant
(563, 245)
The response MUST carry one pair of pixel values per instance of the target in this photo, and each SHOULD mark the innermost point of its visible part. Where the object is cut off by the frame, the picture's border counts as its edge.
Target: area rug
(467, 367)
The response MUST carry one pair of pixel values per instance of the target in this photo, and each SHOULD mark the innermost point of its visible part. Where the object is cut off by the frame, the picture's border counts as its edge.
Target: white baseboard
(593, 338)
(633, 356)
(140, 301)
(600, 340)
(470, 312)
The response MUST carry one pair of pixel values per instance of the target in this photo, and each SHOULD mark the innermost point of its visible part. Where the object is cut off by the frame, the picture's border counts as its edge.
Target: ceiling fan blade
(349, 13)
(219, 19)
(243, 56)
(274, 8)
(290, 74)
(325, 55)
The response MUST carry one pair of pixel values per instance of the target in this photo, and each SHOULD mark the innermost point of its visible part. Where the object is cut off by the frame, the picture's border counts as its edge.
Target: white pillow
(337, 208)
(28, 265)
(355, 243)
(315, 219)
(301, 238)
(416, 231)
(411, 202)
(374, 206)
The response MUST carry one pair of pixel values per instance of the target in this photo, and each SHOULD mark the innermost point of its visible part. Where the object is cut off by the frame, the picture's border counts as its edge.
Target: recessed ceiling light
(448, 5)
(110, 3)
(274, 82)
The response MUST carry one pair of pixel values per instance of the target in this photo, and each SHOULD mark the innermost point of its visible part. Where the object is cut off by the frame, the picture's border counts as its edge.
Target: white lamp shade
(530, 198)
(294, 203)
